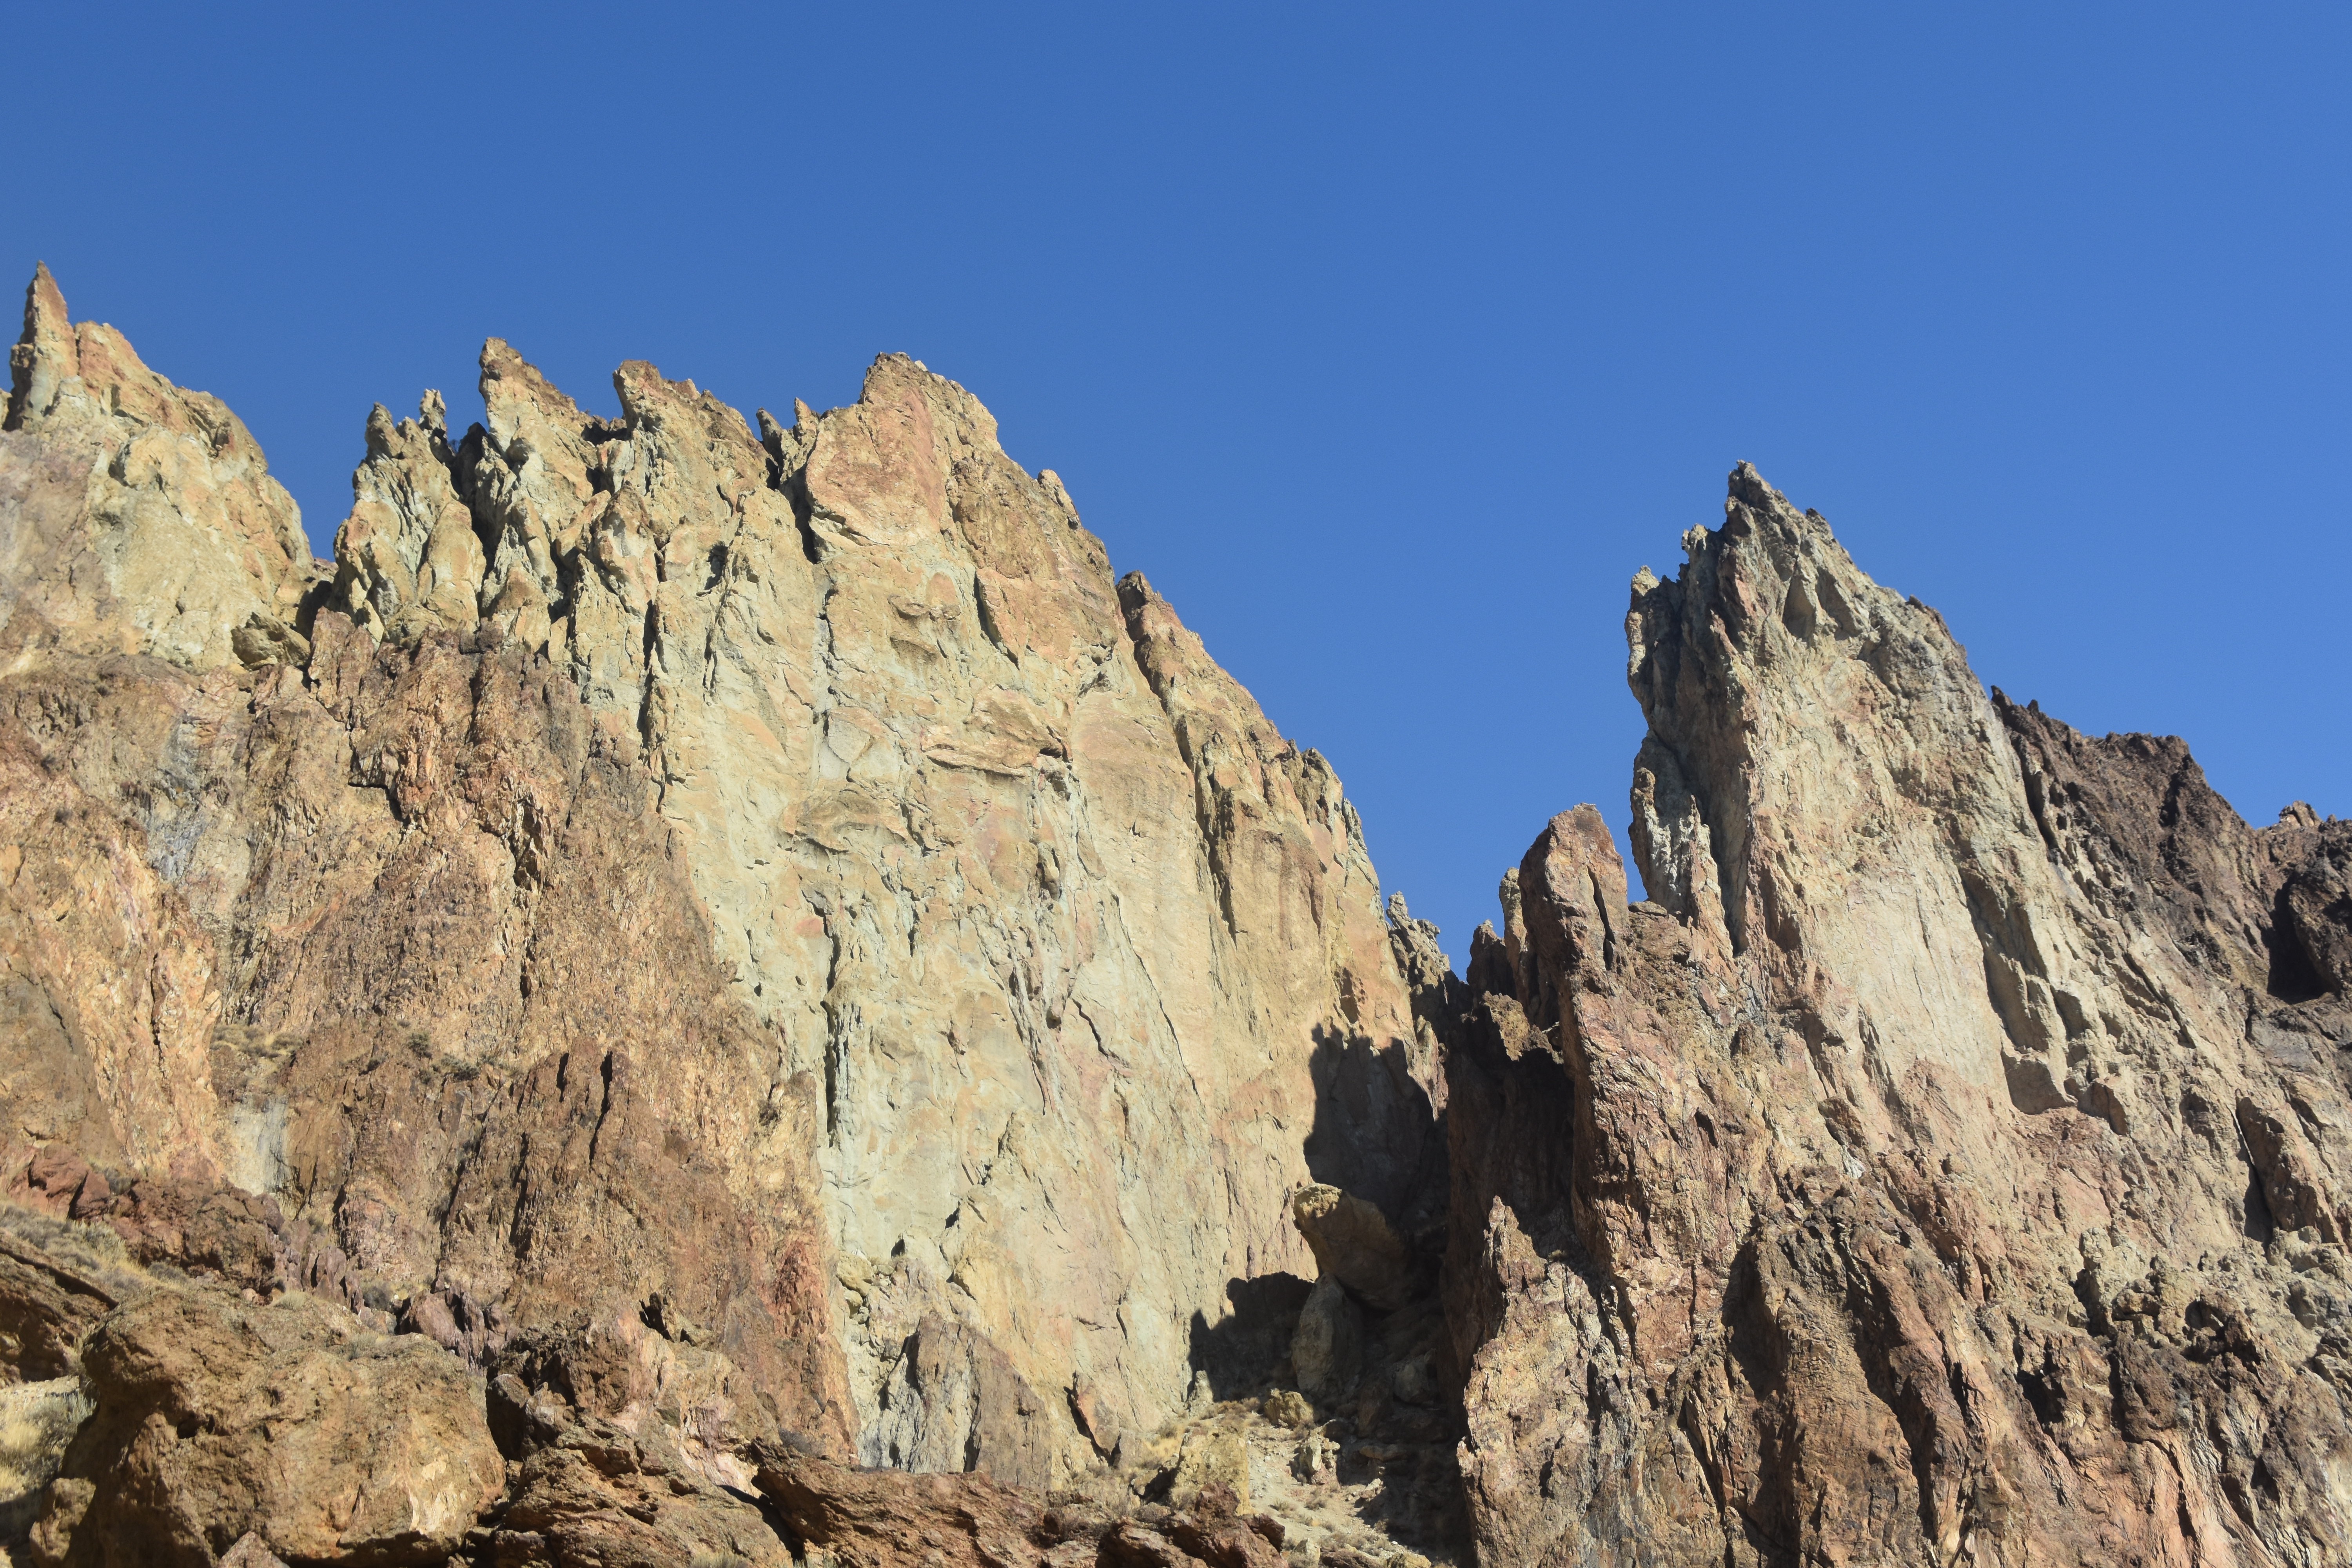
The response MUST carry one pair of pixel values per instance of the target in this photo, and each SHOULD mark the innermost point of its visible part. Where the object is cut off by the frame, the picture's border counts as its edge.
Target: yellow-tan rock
(788, 877)
(142, 517)
(707, 965)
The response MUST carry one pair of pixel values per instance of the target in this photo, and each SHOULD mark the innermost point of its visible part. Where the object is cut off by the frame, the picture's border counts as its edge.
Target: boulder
(216, 1417)
(631, 1439)
(38, 1421)
(1215, 1460)
(1327, 1350)
(1354, 1244)
(881, 1520)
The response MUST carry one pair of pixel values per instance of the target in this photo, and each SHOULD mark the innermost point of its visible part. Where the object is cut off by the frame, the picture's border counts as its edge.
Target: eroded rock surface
(141, 517)
(689, 974)
(1025, 886)
(216, 1418)
(773, 904)
(1946, 1162)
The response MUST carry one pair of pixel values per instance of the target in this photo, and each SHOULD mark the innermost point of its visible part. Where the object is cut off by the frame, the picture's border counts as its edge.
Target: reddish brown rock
(57, 1181)
(205, 1228)
(786, 878)
(869, 1518)
(723, 956)
(632, 1437)
(47, 1305)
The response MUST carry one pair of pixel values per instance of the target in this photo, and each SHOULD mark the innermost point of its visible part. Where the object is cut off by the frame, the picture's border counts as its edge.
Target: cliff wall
(783, 885)
(717, 990)
(1946, 1162)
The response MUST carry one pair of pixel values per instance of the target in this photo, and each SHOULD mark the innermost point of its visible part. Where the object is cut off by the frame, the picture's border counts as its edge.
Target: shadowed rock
(1353, 1243)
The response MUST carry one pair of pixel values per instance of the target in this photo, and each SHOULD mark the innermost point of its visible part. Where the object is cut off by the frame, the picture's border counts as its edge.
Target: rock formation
(703, 996)
(1027, 888)
(1946, 1162)
(734, 938)
(141, 519)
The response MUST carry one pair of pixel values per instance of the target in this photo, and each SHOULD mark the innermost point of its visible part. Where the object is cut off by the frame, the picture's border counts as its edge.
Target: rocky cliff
(1946, 1162)
(703, 995)
(773, 901)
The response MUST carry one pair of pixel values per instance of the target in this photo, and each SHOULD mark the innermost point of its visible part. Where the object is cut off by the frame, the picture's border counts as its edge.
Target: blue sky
(1387, 342)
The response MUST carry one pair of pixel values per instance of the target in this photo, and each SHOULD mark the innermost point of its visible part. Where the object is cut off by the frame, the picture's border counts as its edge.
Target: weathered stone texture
(218, 1418)
(781, 886)
(141, 517)
(1949, 1162)
(1019, 877)
(693, 973)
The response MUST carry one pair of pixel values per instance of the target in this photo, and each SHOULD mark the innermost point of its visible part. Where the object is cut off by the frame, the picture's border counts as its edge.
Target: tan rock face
(1953, 1161)
(694, 960)
(139, 518)
(407, 561)
(1354, 1245)
(425, 1056)
(1018, 876)
(785, 878)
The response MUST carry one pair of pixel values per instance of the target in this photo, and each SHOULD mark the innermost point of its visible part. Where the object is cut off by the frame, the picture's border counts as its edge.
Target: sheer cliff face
(1032, 890)
(1946, 1162)
(685, 958)
(785, 876)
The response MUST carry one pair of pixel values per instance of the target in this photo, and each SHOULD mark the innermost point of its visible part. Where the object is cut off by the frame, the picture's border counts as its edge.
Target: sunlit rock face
(139, 518)
(723, 991)
(975, 971)
(1058, 927)
(1946, 1162)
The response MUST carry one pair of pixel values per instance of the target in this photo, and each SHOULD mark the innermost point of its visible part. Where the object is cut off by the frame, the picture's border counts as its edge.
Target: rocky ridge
(710, 996)
(1945, 1164)
(983, 952)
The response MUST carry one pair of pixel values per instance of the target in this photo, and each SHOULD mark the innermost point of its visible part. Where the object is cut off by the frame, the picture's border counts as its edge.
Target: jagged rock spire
(148, 520)
(44, 354)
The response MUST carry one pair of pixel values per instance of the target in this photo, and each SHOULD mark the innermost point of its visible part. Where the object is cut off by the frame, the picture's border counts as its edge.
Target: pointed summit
(143, 516)
(45, 353)
(1747, 485)
(515, 391)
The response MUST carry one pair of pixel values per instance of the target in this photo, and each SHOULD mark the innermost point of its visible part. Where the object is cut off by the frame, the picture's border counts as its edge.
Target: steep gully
(708, 996)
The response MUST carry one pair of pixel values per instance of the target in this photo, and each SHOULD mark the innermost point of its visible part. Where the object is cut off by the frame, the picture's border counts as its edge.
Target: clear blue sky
(1389, 342)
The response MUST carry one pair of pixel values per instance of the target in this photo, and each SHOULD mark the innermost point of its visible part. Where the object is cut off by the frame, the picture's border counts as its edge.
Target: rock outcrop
(710, 996)
(775, 901)
(1946, 1162)
(141, 517)
(1025, 886)
(217, 1419)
